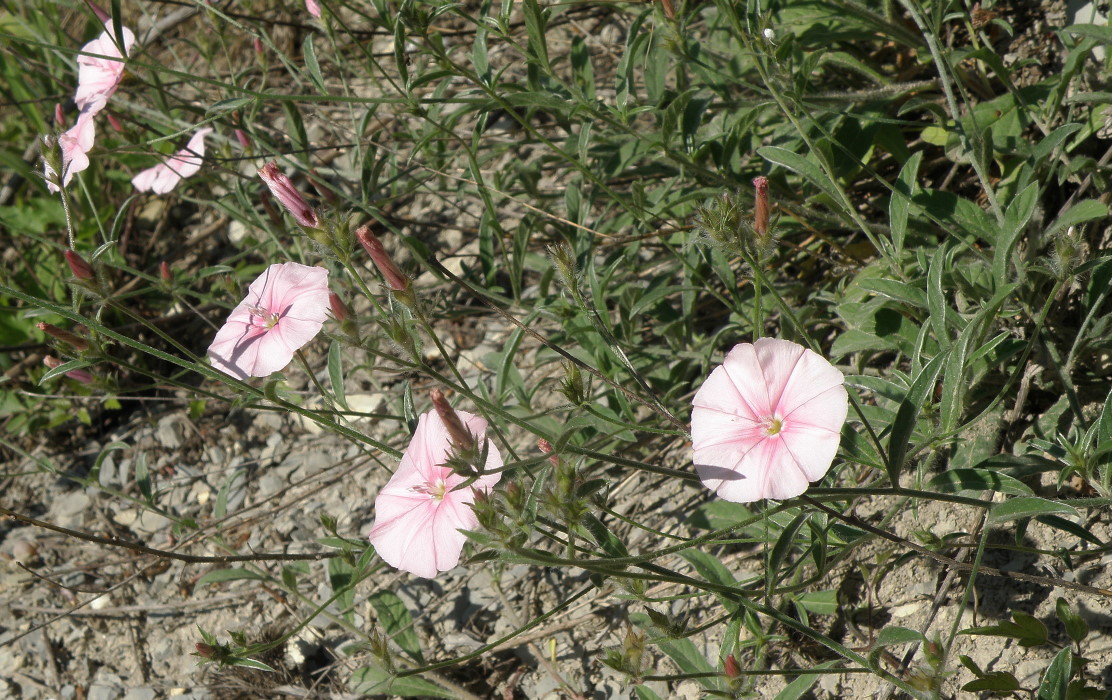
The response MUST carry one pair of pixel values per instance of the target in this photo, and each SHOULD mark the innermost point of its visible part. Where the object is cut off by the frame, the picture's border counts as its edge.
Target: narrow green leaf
(908, 415)
(143, 478)
(1085, 210)
(1027, 507)
(807, 168)
(1015, 222)
(936, 299)
(955, 480)
(341, 576)
(336, 373)
(311, 63)
(713, 570)
(784, 543)
(221, 575)
(899, 206)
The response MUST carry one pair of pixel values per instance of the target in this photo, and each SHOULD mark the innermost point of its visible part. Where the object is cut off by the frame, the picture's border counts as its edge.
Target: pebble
(171, 431)
(141, 694)
(69, 510)
(142, 522)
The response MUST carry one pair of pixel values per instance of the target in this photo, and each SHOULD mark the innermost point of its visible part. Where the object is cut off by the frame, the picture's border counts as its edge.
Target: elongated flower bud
(98, 11)
(339, 309)
(393, 275)
(114, 123)
(75, 374)
(760, 207)
(164, 272)
(80, 269)
(65, 336)
(243, 139)
(461, 436)
(546, 447)
(284, 191)
(59, 116)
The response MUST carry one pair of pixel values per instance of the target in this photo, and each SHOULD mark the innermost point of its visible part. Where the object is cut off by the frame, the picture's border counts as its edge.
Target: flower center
(435, 491)
(772, 425)
(269, 319)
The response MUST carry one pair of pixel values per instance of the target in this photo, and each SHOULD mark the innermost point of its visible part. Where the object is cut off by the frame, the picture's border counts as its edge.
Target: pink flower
(313, 7)
(97, 78)
(768, 421)
(285, 308)
(284, 191)
(75, 144)
(418, 515)
(165, 176)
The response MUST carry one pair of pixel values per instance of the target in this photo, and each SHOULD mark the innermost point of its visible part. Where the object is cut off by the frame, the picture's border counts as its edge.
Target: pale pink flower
(75, 144)
(284, 309)
(313, 7)
(768, 421)
(418, 515)
(165, 176)
(97, 77)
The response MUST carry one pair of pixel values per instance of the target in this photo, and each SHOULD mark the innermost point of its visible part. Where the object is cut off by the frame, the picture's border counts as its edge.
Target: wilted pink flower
(97, 77)
(418, 515)
(75, 144)
(313, 7)
(768, 421)
(284, 191)
(284, 309)
(165, 176)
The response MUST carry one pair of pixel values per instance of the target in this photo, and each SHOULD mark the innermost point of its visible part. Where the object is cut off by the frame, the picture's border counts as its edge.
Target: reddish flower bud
(393, 275)
(114, 123)
(204, 650)
(244, 141)
(80, 269)
(546, 447)
(288, 196)
(65, 336)
(59, 116)
(669, 9)
(164, 272)
(100, 13)
(733, 670)
(339, 309)
(75, 374)
(760, 213)
(461, 436)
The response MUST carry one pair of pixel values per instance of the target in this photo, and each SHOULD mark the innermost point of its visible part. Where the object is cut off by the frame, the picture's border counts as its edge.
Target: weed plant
(568, 186)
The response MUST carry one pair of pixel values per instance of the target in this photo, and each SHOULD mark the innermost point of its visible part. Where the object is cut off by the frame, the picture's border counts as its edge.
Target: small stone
(141, 694)
(171, 431)
(69, 510)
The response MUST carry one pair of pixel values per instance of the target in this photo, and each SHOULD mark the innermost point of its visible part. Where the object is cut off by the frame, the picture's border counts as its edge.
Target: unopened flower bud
(258, 45)
(80, 269)
(59, 116)
(204, 650)
(760, 206)
(669, 9)
(461, 436)
(114, 123)
(393, 275)
(733, 670)
(288, 196)
(164, 272)
(546, 447)
(79, 375)
(339, 309)
(65, 336)
(243, 139)
(98, 11)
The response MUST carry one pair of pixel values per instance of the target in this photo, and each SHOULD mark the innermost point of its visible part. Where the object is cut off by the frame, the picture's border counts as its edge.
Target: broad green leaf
(1024, 628)
(800, 686)
(818, 602)
(713, 570)
(1056, 680)
(682, 651)
(397, 623)
(372, 680)
(341, 576)
(1075, 625)
(805, 167)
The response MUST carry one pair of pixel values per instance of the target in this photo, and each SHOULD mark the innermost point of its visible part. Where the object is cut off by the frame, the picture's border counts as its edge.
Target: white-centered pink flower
(768, 421)
(418, 515)
(165, 176)
(98, 75)
(75, 144)
(284, 309)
